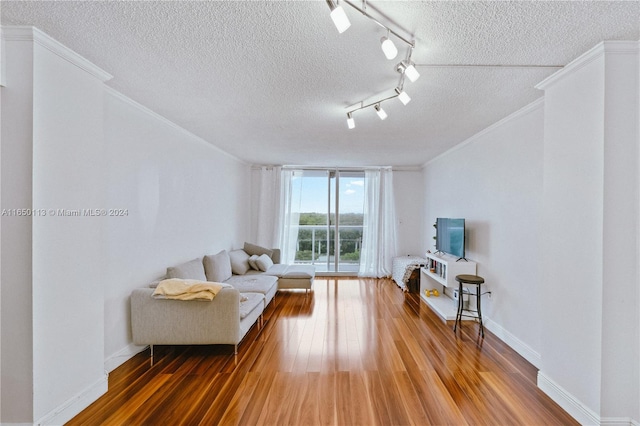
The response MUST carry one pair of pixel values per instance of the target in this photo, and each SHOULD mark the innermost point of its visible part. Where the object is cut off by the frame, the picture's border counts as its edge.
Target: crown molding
(533, 106)
(127, 100)
(598, 51)
(33, 34)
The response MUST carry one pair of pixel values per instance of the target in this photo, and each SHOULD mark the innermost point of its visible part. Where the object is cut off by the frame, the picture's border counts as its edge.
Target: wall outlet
(489, 295)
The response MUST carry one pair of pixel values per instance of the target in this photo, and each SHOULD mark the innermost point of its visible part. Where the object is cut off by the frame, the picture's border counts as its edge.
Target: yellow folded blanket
(179, 289)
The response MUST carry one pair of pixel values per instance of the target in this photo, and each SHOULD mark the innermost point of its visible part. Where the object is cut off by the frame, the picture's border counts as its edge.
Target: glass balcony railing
(315, 246)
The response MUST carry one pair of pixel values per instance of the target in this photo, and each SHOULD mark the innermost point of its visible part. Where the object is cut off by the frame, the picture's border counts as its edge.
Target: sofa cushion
(264, 262)
(217, 267)
(252, 261)
(239, 262)
(277, 270)
(191, 270)
(292, 271)
(252, 249)
(299, 271)
(249, 302)
(253, 283)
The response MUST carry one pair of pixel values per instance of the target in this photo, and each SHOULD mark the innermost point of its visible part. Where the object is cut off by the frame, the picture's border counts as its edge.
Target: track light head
(380, 111)
(338, 16)
(408, 69)
(402, 96)
(388, 48)
(350, 123)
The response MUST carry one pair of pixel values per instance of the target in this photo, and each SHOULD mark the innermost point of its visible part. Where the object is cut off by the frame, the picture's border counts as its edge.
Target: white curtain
(269, 201)
(290, 198)
(379, 227)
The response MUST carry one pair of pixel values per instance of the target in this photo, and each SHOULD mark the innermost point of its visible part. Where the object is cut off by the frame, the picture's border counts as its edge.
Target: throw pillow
(264, 262)
(252, 249)
(239, 261)
(191, 270)
(217, 267)
(252, 262)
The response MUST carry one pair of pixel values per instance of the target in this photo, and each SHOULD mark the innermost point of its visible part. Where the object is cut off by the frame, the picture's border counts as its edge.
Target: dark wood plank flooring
(352, 352)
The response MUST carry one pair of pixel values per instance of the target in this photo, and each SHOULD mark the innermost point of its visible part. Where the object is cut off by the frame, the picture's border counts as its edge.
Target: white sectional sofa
(251, 278)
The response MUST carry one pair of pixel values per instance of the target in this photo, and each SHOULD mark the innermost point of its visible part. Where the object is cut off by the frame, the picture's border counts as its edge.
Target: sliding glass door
(330, 207)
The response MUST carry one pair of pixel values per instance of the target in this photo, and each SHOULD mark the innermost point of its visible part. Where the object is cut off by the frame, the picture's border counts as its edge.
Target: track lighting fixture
(380, 111)
(402, 96)
(399, 93)
(350, 123)
(338, 16)
(407, 68)
(388, 48)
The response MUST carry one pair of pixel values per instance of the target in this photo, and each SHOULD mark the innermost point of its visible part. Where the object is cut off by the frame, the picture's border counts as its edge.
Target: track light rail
(410, 43)
(362, 106)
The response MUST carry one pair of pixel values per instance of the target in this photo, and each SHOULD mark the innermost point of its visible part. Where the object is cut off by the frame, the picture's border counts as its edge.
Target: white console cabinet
(440, 274)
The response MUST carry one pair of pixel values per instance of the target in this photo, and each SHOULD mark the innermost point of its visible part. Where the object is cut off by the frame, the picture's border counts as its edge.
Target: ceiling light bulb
(339, 17)
(380, 112)
(350, 121)
(411, 72)
(388, 48)
(402, 96)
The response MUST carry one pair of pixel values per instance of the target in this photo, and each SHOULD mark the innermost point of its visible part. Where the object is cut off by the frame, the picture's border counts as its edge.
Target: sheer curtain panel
(379, 225)
(290, 214)
(269, 201)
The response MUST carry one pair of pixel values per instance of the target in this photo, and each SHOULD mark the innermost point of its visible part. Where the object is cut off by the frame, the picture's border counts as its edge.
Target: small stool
(473, 280)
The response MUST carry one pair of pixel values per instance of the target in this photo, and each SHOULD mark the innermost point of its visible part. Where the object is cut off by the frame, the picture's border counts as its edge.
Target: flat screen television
(450, 236)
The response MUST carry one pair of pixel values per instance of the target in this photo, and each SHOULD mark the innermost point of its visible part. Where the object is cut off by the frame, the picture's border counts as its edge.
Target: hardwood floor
(352, 352)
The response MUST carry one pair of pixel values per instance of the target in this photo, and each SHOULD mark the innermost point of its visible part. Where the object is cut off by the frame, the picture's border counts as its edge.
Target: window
(327, 207)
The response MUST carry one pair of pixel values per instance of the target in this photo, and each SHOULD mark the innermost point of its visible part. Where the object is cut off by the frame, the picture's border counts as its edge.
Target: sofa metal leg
(151, 355)
(235, 349)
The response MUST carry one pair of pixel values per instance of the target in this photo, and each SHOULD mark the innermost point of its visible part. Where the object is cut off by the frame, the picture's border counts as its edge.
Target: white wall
(68, 254)
(183, 197)
(73, 145)
(573, 216)
(621, 284)
(409, 202)
(551, 198)
(52, 325)
(591, 227)
(494, 181)
(16, 155)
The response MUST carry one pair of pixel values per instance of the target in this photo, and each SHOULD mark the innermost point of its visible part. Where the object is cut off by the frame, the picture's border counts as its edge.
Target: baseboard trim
(575, 408)
(76, 404)
(516, 344)
(122, 356)
(568, 402)
(618, 421)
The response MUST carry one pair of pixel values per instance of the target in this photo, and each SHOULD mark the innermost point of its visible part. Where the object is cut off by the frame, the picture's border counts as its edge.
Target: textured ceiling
(270, 81)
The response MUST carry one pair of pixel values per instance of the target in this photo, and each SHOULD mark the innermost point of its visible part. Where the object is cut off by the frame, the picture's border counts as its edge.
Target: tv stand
(440, 274)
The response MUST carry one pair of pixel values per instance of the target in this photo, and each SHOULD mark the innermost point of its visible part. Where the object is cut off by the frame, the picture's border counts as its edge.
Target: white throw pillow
(264, 262)
(192, 270)
(239, 262)
(252, 262)
(217, 267)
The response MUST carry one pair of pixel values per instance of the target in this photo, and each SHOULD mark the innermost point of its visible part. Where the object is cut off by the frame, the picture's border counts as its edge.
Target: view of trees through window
(350, 236)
